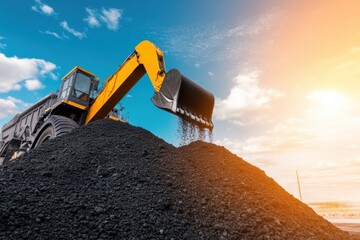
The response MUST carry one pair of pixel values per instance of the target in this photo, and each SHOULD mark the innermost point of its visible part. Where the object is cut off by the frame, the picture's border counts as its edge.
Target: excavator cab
(184, 98)
(76, 88)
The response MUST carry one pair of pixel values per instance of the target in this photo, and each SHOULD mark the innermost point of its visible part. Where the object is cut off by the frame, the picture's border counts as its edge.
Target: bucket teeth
(200, 121)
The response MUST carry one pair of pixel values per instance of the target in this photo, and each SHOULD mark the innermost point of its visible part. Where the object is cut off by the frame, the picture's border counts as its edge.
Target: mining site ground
(344, 215)
(111, 180)
(352, 228)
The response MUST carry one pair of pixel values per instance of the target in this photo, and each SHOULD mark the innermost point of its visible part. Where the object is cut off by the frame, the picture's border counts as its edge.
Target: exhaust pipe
(184, 98)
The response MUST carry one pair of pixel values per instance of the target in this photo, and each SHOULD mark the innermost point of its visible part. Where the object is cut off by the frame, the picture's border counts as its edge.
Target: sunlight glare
(328, 103)
(328, 99)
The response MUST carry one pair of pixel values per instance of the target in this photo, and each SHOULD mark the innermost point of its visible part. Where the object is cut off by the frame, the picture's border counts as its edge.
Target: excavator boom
(173, 91)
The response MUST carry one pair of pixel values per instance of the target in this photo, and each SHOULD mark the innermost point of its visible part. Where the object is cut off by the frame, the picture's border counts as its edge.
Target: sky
(285, 74)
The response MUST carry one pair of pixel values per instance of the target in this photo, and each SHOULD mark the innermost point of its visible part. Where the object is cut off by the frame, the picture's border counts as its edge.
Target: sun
(330, 98)
(326, 103)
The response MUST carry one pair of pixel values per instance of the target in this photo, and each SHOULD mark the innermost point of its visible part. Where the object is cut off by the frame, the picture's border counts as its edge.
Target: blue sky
(284, 77)
(80, 33)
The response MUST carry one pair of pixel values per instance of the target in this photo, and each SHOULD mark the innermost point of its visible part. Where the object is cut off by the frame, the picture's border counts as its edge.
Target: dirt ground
(352, 228)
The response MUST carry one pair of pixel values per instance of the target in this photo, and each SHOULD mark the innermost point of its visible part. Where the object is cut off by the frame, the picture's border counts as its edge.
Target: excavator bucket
(184, 98)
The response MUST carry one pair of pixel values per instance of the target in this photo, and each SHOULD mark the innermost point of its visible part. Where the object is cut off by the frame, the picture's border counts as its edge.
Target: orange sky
(309, 80)
(318, 40)
(315, 61)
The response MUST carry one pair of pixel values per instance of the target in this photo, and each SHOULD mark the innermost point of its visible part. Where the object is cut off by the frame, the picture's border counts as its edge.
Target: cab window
(66, 86)
(82, 86)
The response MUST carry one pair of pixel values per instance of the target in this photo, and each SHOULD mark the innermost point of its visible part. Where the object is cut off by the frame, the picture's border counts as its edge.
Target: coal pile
(110, 180)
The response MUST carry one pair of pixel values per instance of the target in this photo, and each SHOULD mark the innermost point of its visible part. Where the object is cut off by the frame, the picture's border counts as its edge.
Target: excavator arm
(173, 91)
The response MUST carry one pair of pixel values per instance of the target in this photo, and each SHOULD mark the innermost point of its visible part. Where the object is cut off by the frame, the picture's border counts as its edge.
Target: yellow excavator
(74, 104)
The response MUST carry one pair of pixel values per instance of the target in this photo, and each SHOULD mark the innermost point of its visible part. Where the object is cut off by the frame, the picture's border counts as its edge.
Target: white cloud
(7, 107)
(92, 19)
(211, 74)
(331, 168)
(215, 42)
(74, 32)
(14, 71)
(2, 45)
(111, 17)
(46, 9)
(263, 23)
(245, 96)
(33, 84)
(330, 122)
(43, 8)
(10, 106)
(54, 34)
(271, 142)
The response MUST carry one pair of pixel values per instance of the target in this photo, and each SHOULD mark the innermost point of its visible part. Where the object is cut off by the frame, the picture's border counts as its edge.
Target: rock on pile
(110, 180)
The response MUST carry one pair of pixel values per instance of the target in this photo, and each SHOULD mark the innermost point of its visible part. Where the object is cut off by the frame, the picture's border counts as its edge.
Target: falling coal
(188, 132)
